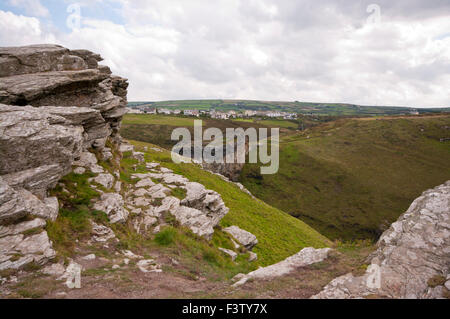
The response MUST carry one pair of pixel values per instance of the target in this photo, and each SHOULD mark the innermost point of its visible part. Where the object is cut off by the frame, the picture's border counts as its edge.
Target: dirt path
(128, 282)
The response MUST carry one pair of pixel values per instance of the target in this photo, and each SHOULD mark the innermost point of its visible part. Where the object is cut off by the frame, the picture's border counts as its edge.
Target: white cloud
(32, 7)
(274, 50)
(20, 30)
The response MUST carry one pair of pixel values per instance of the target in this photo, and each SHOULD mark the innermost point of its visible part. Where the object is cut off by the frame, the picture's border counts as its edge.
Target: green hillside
(353, 177)
(279, 234)
(332, 109)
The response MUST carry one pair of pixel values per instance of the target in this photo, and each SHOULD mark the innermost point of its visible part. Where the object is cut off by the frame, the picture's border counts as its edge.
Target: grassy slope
(352, 178)
(279, 234)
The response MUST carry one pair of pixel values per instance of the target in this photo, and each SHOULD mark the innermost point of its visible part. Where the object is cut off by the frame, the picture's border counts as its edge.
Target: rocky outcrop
(200, 210)
(55, 104)
(412, 252)
(305, 257)
(43, 75)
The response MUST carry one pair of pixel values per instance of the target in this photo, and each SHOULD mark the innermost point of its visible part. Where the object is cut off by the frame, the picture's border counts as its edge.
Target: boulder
(199, 223)
(305, 257)
(139, 156)
(105, 179)
(102, 233)
(411, 252)
(207, 201)
(125, 147)
(252, 257)
(230, 253)
(113, 205)
(245, 238)
(15, 205)
(174, 179)
(159, 191)
(151, 165)
(88, 161)
(35, 248)
(148, 266)
(169, 205)
(147, 182)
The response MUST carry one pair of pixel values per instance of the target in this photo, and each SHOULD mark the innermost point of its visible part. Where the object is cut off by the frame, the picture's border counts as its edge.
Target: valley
(349, 178)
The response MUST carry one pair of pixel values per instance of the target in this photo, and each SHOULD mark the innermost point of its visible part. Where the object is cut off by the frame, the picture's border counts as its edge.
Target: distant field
(157, 129)
(271, 123)
(332, 109)
(158, 120)
(352, 178)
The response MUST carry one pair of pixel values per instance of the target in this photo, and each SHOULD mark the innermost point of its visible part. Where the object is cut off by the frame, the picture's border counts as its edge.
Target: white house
(164, 111)
(250, 113)
(191, 113)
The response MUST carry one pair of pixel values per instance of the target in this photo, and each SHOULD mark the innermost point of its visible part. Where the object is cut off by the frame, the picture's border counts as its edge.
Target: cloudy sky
(376, 52)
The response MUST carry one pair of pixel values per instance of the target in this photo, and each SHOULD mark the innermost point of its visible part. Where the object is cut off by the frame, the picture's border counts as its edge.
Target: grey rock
(79, 170)
(41, 58)
(141, 202)
(142, 223)
(54, 270)
(89, 257)
(107, 154)
(129, 254)
(148, 266)
(105, 179)
(412, 251)
(207, 201)
(305, 257)
(447, 285)
(139, 156)
(157, 230)
(165, 170)
(113, 205)
(118, 187)
(245, 238)
(125, 147)
(199, 223)
(36, 248)
(22, 227)
(230, 253)
(147, 182)
(53, 208)
(252, 257)
(41, 137)
(89, 161)
(152, 165)
(17, 204)
(169, 205)
(159, 191)
(102, 233)
(174, 179)
(56, 104)
(37, 180)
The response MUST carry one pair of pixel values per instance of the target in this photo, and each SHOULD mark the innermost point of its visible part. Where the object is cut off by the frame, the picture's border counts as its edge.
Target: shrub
(166, 237)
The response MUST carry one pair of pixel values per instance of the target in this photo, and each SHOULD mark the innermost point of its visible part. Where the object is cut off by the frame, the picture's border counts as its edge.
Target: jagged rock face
(413, 250)
(44, 75)
(55, 104)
